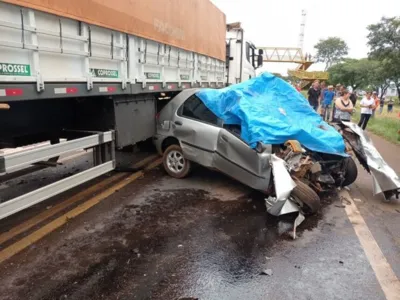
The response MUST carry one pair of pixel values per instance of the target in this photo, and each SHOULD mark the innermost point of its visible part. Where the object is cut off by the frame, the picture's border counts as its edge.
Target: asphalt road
(208, 237)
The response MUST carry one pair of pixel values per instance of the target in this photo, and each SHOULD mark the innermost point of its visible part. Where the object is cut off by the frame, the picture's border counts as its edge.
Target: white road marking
(387, 279)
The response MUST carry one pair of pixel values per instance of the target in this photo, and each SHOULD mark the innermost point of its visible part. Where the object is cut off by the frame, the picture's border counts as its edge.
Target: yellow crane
(294, 55)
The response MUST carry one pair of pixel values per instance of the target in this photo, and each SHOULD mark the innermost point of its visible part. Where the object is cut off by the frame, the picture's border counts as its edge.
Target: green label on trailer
(184, 77)
(150, 75)
(204, 78)
(15, 69)
(104, 73)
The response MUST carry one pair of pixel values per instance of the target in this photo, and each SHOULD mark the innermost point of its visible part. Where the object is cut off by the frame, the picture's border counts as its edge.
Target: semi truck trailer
(94, 74)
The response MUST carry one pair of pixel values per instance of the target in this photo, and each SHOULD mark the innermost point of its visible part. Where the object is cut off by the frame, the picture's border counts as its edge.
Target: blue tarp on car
(271, 111)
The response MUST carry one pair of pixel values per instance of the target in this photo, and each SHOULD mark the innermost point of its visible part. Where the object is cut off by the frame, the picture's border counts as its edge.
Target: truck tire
(351, 172)
(306, 197)
(175, 164)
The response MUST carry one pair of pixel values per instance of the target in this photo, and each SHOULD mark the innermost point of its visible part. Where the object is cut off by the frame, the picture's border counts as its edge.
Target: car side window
(194, 108)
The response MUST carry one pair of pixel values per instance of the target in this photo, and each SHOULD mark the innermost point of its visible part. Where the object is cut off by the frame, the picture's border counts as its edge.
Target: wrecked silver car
(188, 132)
(263, 133)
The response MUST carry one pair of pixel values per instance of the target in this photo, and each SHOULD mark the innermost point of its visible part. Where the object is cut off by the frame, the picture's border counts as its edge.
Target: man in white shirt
(367, 105)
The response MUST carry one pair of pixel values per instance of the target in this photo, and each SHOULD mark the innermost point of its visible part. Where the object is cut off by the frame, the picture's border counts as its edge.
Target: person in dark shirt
(390, 106)
(353, 98)
(381, 104)
(313, 95)
(322, 89)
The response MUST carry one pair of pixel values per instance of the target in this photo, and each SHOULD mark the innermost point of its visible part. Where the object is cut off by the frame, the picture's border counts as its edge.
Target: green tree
(378, 79)
(384, 42)
(331, 51)
(353, 72)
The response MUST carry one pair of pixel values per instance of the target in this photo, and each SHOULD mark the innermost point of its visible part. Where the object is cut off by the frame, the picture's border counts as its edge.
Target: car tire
(351, 172)
(175, 164)
(306, 197)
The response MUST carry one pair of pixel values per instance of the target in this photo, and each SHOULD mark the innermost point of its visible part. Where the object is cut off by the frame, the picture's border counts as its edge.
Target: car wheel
(306, 197)
(351, 172)
(175, 163)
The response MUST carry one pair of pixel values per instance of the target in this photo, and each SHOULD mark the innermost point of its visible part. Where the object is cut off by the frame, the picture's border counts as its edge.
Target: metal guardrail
(27, 200)
(17, 160)
(103, 158)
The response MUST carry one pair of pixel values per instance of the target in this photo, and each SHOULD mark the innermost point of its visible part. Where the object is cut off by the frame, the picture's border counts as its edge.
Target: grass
(385, 125)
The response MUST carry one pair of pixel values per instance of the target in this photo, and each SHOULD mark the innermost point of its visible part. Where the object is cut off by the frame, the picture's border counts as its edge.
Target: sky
(276, 23)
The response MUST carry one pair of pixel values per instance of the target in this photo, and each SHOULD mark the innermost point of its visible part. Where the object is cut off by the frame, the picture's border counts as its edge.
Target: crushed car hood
(269, 110)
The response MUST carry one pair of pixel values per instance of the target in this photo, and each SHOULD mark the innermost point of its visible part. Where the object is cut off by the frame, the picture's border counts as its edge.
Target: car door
(197, 129)
(235, 158)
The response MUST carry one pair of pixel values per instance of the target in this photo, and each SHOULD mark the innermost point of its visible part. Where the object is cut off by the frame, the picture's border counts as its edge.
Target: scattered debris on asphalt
(300, 218)
(267, 272)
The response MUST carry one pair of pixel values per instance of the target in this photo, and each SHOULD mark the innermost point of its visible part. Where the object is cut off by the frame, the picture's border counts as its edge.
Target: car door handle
(225, 138)
(178, 123)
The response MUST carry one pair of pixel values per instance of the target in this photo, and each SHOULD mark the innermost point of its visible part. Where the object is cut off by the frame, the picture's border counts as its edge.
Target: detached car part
(385, 179)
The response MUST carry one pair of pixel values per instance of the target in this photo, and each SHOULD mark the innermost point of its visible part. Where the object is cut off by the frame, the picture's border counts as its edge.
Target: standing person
(353, 98)
(376, 103)
(381, 104)
(313, 95)
(337, 95)
(342, 89)
(367, 104)
(338, 90)
(344, 107)
(390, 105)
(329, 94)
(322, 89)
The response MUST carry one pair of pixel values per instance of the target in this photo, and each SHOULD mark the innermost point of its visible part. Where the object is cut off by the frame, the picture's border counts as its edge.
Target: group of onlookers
(342, 103)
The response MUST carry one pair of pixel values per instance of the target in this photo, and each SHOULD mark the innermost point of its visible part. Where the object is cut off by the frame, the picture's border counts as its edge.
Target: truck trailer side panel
(42, 48)
(193, 25)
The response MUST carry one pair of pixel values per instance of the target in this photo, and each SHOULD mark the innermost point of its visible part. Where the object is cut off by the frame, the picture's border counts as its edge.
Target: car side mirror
(259, 148)
(260, 60)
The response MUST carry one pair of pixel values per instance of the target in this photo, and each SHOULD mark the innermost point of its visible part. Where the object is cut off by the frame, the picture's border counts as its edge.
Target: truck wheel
(175, 163)
(351, 171)
(306, 197)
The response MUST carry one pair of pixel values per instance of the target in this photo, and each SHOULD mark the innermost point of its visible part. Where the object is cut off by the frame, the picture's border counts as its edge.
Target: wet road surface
(205, 237)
